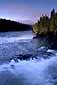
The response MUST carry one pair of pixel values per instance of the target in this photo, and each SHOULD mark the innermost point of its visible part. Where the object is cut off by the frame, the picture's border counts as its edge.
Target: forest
(46, 25)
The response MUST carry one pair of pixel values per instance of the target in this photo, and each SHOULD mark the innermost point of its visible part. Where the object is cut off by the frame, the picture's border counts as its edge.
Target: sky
(28, 10)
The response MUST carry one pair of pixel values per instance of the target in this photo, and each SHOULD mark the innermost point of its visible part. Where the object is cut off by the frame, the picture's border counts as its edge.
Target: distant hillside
(8, 25)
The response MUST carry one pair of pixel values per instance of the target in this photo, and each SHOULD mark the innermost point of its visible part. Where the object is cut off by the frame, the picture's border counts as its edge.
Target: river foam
(32, 72)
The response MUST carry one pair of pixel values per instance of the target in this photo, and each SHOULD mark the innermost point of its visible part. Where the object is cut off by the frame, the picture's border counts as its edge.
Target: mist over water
(41, 69)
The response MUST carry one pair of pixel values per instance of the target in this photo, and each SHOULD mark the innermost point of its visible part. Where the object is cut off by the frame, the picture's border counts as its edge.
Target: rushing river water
(38, 67)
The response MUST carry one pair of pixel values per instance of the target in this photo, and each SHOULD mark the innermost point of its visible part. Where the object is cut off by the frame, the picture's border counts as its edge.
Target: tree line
(46, 24)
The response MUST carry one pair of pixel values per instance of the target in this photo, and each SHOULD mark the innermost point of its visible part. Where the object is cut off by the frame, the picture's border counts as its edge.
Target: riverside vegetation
(46, 25)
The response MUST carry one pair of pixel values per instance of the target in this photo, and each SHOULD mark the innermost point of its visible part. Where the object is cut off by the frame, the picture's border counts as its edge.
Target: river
(38, 67)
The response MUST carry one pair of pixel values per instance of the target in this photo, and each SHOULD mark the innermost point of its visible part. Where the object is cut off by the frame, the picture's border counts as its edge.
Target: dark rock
(25, 57)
